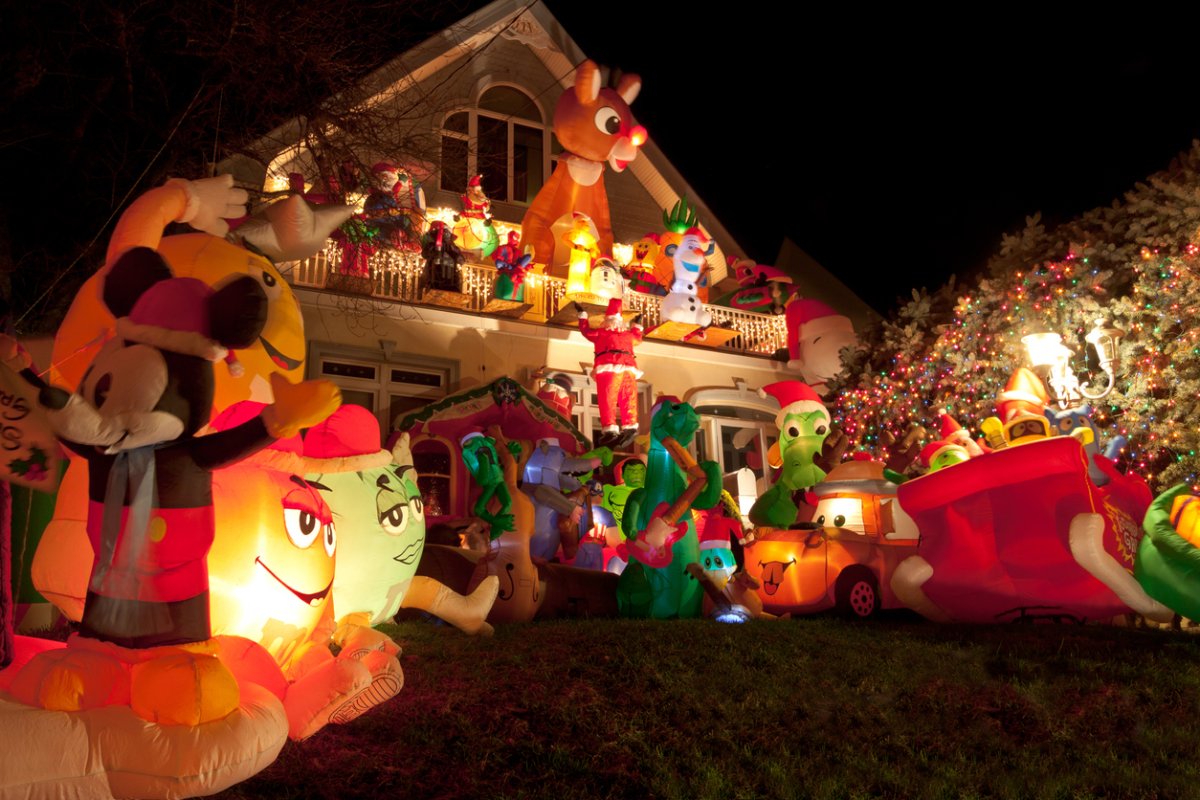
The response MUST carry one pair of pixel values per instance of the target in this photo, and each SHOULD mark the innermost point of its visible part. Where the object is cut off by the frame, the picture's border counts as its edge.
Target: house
(483, 94)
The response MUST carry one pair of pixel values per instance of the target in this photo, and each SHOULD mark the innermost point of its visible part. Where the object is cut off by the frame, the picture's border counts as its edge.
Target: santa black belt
(614, 353)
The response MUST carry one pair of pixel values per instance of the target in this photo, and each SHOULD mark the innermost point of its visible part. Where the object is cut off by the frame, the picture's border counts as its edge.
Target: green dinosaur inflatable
(655, 583)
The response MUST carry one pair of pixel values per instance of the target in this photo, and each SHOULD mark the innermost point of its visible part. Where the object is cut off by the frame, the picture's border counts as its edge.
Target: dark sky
(895, 151)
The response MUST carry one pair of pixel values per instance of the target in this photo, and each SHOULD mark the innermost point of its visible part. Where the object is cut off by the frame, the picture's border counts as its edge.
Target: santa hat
(475, 181)
(949, 425)
(931, 451)
(715, 536)
(701, 235)
(384, 166)
(473, 435)
(815, 317)
(173, 315)
(1024, 392)
(348, 441)
(794, 397)
(662, 400)
(614, 309)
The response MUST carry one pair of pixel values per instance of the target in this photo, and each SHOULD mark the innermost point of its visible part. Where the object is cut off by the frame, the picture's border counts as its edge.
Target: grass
(814, 707)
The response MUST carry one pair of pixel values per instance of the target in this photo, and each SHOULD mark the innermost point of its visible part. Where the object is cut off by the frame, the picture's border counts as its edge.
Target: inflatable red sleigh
(1023, 533)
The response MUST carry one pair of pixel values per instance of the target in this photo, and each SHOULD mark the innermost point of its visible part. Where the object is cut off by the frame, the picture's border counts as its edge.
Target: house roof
(533, 25)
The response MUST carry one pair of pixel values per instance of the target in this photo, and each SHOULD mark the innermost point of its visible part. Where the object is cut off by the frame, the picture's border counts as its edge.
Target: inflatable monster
(656, 521)
(548, 473)
(803, 426)
(595, 126)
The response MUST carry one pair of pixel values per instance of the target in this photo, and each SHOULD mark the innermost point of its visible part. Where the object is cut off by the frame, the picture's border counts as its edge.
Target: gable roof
(534, 26)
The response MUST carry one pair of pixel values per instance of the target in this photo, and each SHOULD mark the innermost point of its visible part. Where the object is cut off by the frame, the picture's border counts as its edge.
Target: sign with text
(29, 453)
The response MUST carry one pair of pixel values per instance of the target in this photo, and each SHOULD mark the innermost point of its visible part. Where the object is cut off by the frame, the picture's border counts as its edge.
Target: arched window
(504, 139)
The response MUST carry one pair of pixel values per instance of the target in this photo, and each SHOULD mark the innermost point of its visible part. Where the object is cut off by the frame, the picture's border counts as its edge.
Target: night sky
(894, 154)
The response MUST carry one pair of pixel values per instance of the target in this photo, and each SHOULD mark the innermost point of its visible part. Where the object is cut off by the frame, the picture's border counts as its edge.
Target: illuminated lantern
(581, 237)
(288, 230)
(271, 566)
(595, 126)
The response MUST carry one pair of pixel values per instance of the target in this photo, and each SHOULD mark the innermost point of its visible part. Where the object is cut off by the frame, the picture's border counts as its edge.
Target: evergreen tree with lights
(1135, 264)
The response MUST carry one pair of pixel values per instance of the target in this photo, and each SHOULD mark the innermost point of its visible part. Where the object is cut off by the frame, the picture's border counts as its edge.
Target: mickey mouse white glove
(210, 202)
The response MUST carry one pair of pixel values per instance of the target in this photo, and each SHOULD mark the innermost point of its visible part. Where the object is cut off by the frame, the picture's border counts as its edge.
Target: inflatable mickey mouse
(150, 516)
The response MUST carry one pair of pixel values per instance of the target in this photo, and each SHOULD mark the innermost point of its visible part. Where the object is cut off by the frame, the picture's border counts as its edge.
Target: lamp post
(1052, 358)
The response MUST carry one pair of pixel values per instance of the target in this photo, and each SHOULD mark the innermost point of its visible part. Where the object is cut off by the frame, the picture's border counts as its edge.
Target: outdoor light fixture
(1052, 358)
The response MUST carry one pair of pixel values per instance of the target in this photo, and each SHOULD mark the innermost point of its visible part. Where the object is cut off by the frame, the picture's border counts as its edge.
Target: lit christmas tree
(1135, 264)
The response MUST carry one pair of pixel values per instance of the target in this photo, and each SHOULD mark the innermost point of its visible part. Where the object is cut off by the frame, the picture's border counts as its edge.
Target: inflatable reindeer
(593, 125)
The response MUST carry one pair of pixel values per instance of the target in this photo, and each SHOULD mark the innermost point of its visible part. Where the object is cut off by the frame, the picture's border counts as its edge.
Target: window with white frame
(737, 429)
(387, 385)
(504, 138)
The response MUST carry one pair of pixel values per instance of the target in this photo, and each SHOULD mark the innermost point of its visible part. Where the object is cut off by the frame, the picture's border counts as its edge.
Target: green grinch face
(384, 522)
(800, 439)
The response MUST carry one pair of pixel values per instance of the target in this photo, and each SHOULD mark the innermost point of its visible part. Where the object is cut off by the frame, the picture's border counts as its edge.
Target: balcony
(398, 276)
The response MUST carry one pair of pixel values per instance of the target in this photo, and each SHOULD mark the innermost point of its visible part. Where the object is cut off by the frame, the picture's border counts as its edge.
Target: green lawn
(814, 707)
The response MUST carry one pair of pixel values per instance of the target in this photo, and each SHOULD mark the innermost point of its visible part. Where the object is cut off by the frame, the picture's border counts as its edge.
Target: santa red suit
(616, 368)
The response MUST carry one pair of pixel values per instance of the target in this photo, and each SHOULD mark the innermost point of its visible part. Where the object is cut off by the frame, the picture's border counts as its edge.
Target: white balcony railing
(399, 276)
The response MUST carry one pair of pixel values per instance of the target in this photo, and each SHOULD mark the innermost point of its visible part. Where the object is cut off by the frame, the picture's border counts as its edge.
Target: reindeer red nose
(638, 136)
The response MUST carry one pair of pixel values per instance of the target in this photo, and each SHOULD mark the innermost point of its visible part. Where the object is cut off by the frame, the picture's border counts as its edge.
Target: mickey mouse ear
(130, 276)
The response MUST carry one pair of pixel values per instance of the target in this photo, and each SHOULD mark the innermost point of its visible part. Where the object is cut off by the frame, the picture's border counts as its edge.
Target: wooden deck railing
(399, 276)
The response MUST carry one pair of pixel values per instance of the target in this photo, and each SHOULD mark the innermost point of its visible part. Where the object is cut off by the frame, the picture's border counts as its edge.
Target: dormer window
(504, 139)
